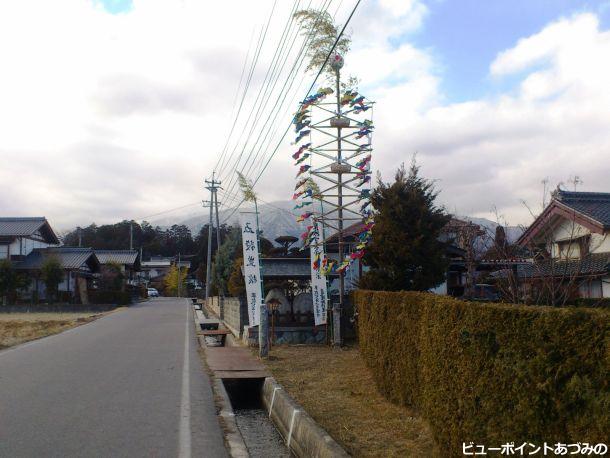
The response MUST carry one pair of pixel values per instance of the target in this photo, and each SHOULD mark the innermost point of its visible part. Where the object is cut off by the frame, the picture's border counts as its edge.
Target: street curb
(303, 436)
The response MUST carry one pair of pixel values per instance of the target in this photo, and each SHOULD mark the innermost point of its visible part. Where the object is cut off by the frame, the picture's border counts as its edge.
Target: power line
(263, 90)
(261, 41)
(281, 98)
(306, 95)
(253, 67)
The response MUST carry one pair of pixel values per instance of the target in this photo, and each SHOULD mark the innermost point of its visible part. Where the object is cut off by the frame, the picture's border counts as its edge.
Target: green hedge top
(490, 373)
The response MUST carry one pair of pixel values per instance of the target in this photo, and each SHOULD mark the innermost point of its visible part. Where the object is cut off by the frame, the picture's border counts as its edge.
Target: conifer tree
(405, 252)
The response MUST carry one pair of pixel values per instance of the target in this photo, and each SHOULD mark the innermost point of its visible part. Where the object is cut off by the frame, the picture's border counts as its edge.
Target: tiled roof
(68, 257)
(595, 205)
(285, 268)
(26, 226)
(126, 257)
(593, 264)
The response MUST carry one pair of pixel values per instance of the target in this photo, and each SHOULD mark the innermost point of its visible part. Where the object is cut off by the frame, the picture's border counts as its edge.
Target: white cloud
(495, 151)
(109, 116)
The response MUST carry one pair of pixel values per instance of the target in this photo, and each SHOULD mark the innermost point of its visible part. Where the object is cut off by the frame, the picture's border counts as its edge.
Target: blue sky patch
(116, 6)
(466, 36)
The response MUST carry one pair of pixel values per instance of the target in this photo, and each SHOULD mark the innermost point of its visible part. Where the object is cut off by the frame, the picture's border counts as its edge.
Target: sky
(119, 109)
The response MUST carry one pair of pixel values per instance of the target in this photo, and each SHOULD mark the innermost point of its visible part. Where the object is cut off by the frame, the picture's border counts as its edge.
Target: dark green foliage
(11, 282)
(592, 302)
(489, 373)
(52, 274)
(153, 239)
(111, 277)
(224, 260)
(405, 253)
(110, 297)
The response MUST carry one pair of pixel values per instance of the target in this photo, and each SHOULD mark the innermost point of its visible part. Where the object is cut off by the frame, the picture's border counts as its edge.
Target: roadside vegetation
(339, 392)
(17, 328)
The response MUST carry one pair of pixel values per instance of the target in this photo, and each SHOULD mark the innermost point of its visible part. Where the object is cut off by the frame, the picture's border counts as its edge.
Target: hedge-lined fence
(490, 373)
(110, 297)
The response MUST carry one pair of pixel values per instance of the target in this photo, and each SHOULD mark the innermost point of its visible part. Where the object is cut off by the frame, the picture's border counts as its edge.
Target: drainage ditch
(259, 433)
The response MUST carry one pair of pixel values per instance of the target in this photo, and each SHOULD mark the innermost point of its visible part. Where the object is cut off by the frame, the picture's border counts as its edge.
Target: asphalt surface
(129, 384)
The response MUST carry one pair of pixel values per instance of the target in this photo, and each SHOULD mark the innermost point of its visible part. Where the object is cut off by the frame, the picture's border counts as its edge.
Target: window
(574, 248)
(3, 251)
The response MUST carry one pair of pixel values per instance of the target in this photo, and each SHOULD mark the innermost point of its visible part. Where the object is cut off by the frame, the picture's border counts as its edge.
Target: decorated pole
(336, 64)
(337, 158)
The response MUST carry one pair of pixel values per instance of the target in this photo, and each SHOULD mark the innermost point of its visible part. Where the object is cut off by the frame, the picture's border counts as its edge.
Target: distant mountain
(279, 218)
(512, 232)
(276, 218)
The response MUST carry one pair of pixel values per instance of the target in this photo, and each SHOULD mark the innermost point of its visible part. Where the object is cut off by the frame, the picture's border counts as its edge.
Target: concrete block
(302, 434)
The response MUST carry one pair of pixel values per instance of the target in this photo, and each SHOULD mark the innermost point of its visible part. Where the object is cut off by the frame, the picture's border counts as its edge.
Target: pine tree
(405, 253)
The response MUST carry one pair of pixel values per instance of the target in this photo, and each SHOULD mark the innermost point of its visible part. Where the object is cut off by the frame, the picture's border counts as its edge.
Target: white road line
(184, 441)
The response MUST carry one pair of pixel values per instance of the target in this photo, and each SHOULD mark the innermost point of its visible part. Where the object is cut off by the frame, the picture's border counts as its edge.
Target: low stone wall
(288, 335)
(231, 311)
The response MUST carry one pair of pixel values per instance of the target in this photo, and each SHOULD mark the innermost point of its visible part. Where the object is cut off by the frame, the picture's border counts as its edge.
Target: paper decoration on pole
(319, 290)
(252, 270)
(315, 159)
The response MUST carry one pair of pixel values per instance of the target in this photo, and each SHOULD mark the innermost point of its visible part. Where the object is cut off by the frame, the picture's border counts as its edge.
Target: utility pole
(131, 235)
(80, 237)
(179, 279)
(217, 221)
(212, 186)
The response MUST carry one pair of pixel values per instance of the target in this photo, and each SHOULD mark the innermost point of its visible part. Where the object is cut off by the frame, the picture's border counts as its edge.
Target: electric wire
(306, 95)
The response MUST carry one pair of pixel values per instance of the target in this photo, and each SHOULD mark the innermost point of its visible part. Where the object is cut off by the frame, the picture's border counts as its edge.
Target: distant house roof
(156, 264)
(124, 257)
(592, 265)
(70, 258)
(589, 209)
(285, 268)
(595, 205)
(11, 227)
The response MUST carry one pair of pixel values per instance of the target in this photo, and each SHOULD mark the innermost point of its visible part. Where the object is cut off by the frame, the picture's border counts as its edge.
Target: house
(153, 271)
(19, 236)
(570, 243)
(127, 260)
(79, 265)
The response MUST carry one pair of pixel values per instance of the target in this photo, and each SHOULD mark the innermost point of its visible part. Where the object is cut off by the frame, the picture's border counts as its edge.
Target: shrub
(591, 302)
(110, 297)
(490, 373)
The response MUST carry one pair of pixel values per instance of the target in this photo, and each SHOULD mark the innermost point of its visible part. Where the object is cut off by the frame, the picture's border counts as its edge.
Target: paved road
(127, 385)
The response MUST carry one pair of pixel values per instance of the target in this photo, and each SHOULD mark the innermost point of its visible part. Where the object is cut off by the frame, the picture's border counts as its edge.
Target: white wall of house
(591, 289)
(566, 230)
(25, 245)
(606, 287)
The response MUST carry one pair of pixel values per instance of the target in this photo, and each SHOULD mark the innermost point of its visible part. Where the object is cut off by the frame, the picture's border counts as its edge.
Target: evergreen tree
(11, 281)
(52, 276)
(405, 253)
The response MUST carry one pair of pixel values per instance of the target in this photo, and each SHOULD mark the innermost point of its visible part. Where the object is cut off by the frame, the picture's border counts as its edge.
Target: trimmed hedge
(490, 373)
(590, 302)
(110, 297)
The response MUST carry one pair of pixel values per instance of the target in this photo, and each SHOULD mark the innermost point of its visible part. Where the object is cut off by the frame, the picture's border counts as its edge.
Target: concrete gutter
(303, 436)
(233, 438)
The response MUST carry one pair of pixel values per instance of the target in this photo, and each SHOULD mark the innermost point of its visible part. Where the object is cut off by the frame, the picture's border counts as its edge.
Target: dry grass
(338, 391)
(16, 328)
